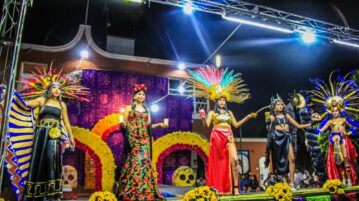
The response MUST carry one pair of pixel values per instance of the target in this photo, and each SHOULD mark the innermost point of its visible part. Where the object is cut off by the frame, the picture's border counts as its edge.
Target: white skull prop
(69, 176)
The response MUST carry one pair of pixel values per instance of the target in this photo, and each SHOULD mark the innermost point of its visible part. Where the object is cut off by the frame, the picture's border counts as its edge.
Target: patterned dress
(137, 180)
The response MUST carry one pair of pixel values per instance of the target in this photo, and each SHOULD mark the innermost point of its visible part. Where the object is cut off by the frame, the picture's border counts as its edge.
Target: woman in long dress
(137, 180)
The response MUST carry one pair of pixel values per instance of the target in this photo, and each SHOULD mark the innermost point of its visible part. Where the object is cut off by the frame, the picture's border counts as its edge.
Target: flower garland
(103, 196)
(107, 125)
(280, 191)
(334, 186)
(171, 142)
(204, 193)
(98, 150)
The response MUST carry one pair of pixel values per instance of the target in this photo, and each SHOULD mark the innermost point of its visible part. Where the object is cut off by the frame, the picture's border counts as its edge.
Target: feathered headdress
(36, 86)
(217, 83)
(340, 93)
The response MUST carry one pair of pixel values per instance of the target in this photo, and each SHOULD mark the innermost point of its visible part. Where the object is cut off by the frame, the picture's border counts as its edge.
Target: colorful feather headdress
(217, 83)
(36, 86)
(340, 93)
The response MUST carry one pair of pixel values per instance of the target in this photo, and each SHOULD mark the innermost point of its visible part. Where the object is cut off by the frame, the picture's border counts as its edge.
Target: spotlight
(181, 89)
(122, 110)
(181, 66)
(154, 108)
(308, 37)
(188, 8)
(84, 54)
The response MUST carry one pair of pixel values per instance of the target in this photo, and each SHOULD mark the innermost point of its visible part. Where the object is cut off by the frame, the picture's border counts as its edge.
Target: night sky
(270, 62)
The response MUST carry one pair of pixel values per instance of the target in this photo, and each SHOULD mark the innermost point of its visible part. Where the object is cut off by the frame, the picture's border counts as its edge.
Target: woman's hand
(316, 117)
(252, 115)
(202, 113)
(165, 123)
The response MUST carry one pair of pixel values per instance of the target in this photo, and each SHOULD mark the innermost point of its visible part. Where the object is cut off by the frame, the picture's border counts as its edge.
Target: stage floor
(180, 191)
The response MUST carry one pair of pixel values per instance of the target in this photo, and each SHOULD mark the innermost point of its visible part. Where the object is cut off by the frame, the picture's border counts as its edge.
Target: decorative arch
(98, 150)
(171, 142)
(106, 126)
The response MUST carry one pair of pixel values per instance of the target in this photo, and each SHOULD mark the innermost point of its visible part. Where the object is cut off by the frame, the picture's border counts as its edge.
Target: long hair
(216, 107)
(48, 92)
(273, 111)
(133, 103)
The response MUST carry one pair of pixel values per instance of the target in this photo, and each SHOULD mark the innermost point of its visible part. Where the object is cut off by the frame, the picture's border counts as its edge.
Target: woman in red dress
(221, 86)
(339, 99)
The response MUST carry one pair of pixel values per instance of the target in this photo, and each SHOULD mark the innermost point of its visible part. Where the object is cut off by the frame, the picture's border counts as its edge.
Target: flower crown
(139, 87)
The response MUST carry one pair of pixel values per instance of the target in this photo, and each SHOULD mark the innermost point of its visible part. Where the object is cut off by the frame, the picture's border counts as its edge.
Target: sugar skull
(69, 176)
(184, 176)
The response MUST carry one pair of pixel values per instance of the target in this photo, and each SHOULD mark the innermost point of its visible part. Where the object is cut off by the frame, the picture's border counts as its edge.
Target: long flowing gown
(137, 180)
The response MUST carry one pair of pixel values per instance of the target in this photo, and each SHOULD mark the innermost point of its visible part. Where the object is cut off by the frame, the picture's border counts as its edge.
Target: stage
(180, 191)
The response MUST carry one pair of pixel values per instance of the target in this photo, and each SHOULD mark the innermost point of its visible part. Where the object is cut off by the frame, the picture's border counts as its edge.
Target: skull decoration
(69, 176)
(184, 176)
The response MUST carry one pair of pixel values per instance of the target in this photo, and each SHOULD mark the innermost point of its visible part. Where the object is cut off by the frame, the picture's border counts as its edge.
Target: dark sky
(271, 62)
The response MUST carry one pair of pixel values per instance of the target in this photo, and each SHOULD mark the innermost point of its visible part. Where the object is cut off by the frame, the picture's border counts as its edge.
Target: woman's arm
(36, 102)
(236, 124)
(65, 117)
(295, 123)
(126, 113)
(208, 120)
(326, 126)
(162, 124)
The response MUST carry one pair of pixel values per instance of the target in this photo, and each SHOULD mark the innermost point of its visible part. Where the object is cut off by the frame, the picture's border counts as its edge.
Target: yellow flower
(341, 191)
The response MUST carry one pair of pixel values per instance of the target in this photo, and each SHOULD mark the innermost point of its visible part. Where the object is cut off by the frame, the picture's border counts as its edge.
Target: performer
(137, 180)
(338, 101)
(34, 149)
(281, 140)
(221, 86)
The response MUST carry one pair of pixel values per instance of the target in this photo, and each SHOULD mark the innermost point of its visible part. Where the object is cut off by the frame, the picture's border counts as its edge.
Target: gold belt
(54, 125)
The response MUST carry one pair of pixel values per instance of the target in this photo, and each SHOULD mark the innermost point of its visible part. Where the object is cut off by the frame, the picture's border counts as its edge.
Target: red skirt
(333, 172)
(219, 174)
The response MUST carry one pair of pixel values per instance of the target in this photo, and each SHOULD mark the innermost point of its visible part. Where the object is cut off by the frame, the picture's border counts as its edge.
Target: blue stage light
(188, 8)
(308, 37)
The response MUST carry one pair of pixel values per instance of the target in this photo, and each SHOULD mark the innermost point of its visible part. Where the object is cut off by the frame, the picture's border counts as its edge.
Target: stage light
(188, 8)
(346, 43)
(84, 54)
(135, 1)
(122, 110)
(181, 66)
(234, 19)
(218, 61)
(154, 108)
(181, 89)
(308, 37)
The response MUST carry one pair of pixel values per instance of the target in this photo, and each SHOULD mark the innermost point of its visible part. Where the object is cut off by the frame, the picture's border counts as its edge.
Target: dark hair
(133, 103)
(272, 111)
(48, 92)
(216, 107)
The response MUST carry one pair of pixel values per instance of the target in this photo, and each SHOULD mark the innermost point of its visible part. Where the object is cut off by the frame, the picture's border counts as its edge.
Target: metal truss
(11, 28)
(270, 16)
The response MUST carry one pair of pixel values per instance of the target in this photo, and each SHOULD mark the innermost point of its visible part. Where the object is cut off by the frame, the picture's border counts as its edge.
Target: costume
(137, 180)
(33, 144)
(279, 141)
(340, 94)
(216, 83)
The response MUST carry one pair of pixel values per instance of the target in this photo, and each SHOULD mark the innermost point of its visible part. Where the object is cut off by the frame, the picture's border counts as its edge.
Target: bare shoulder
(128, 107)
(63, 104)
